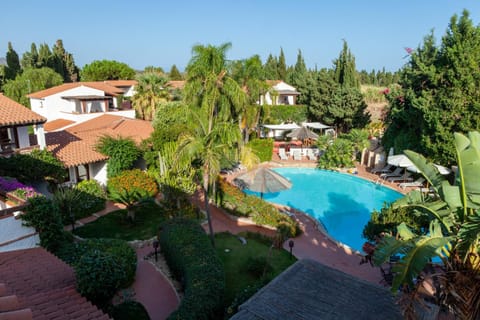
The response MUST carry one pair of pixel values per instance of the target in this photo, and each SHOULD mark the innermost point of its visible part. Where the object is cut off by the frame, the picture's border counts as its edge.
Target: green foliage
(13, 68)
(129, 310)
(284, 113)
(122, 153)
(101, 70)
(438, 93)
(373, 94)
(281, 67)
(31, 80)
(102, 266)
(345, 70)
(175, 74)
(192, 258)
(42, 214)
(337, 155)
(387, 220)
(333, 104)
(151, 91)
(238, 203)
(263, 148)
(85, 199)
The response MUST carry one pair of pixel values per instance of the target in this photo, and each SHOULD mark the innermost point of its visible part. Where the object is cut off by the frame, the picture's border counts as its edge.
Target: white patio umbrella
(441, 169)
(400, 160)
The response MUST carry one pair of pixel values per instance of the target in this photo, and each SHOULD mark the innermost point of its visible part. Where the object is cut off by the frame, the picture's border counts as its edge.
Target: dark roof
(310, 290)
(44, 284)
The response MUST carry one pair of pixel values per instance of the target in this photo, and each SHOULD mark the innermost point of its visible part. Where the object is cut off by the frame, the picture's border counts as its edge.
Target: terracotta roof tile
(99, 85)
(45, 284)
(121, 83)
(176, 84)
(13, 113)
(76, 145)
(57, 124)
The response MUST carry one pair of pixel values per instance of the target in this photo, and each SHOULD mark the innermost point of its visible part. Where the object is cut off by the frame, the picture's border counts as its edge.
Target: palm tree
(210, 147)
(150, 92)
(453, 235)
(216, 99)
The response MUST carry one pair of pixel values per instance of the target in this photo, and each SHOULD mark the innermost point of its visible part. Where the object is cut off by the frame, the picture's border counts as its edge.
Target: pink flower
(409, 50)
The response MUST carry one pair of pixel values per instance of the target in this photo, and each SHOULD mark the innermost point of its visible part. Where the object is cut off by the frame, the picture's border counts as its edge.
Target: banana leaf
(469, 235)
(428, 170)
(468, 157)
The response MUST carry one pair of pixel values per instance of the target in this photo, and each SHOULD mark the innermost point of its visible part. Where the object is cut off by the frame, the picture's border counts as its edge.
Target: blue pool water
(342, 202)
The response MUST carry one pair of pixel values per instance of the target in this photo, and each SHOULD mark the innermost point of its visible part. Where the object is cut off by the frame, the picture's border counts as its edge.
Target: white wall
(54, 107)
(23, 139)
(98, 171)
(12, 229)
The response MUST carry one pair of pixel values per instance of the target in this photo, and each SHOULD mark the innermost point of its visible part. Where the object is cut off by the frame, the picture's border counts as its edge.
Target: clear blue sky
(162, 33)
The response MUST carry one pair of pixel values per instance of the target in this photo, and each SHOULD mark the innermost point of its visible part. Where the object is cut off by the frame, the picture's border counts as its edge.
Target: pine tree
(345, 72)
(13, 63)
(282, 66)
(44, 56)
(297, 77)
(175, 74)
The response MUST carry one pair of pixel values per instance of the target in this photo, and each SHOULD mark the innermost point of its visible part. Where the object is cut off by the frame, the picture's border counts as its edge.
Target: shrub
(192, 259)
(92, 198)
(87, 257)
(238, 203)
(98, 276)
(263, 148)
(132, 182)
(42, 214)
(338, 155)
(122, 153)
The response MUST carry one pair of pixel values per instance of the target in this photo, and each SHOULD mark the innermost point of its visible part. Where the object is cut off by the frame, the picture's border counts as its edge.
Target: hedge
(283, 113)
(263, 148)
(192, 259)
(238, 203)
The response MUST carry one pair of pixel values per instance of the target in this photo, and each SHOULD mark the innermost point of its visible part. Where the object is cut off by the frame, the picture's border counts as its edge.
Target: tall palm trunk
(206, 183)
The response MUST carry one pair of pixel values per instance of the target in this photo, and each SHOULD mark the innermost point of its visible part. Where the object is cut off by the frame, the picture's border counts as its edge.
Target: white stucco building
(279, 92)
(82, 101)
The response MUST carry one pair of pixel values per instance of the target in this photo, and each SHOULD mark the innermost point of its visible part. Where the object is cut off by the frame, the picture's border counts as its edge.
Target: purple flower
(10, 184)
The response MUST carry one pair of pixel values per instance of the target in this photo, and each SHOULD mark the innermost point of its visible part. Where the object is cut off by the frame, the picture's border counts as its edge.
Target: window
(82, 173)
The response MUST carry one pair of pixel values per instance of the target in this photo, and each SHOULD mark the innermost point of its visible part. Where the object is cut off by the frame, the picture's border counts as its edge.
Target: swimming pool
(342, 202)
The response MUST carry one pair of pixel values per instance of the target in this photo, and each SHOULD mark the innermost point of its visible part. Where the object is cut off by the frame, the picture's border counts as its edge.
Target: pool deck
(313, 243)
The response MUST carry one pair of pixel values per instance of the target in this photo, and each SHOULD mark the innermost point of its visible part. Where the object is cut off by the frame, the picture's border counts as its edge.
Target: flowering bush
(8, 184)
(25, 193)
(133, 181)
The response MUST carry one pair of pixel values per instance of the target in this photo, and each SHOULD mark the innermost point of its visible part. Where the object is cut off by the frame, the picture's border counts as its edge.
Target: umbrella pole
(261, 195)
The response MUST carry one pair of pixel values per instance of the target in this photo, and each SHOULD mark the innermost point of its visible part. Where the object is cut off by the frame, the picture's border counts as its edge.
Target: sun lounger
(396, 173)
(282, 154)
(417, 183)
(384, 169)
(405, 177)
(297, 154)
(311, 155)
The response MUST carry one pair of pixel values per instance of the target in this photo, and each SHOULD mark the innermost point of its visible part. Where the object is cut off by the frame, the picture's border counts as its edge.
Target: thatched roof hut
(310, 290)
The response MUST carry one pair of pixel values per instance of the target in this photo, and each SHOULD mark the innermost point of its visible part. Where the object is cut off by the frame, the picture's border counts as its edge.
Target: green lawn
(115, 225)
(237, 277)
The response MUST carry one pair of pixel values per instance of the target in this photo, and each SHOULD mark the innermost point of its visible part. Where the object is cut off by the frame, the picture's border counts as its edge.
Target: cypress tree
(30, 58)
(345, 71)
(13, 63)
(271, 68)
(175, 74)
(282, 66)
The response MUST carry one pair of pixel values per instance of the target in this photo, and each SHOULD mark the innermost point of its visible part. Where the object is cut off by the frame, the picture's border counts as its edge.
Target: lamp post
(291, 244)
(155, 246)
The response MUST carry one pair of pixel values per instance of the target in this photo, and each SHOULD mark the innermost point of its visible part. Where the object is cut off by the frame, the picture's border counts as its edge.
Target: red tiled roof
(121, 83)
(45, 284)
(99, 85)
(13, 113)
(56, 124)
(176, 84)
(76, 145)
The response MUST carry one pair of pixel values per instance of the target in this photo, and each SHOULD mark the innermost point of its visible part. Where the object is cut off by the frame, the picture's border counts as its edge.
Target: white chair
(297, 154)
(311, 155)
(417, 183)
(282, 154)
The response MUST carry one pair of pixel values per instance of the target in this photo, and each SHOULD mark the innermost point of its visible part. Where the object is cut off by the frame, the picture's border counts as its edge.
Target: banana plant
(455, 227)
